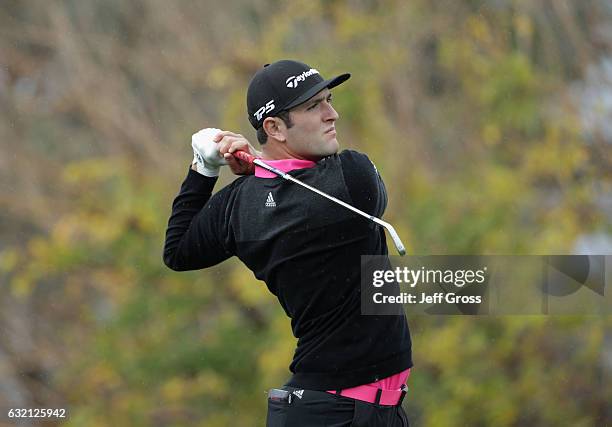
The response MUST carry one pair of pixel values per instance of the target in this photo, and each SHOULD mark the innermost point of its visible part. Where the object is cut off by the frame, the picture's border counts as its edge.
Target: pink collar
(285, 165)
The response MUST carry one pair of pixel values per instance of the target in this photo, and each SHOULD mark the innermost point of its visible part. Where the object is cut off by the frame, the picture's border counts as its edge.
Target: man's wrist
(206, 170)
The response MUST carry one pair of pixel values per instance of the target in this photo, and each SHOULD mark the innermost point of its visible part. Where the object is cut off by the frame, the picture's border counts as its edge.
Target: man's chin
(329, 149)
(333, 147)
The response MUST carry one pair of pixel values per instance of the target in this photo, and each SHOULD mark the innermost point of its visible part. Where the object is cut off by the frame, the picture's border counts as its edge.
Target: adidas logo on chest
(270, 203)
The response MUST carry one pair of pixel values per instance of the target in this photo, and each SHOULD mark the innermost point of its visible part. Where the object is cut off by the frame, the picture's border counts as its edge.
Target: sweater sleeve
(196, 236)
(364, 183)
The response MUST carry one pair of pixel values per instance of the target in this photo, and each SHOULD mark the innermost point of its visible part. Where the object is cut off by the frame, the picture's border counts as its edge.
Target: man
(348, 368)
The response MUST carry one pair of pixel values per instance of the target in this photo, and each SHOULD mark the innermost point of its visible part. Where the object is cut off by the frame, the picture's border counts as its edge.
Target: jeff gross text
(425, 276)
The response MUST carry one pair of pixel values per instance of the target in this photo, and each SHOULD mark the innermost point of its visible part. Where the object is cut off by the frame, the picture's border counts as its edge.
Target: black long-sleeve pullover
(307, 250)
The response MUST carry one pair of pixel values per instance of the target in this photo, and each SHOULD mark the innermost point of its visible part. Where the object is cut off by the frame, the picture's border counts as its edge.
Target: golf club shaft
(242, 155)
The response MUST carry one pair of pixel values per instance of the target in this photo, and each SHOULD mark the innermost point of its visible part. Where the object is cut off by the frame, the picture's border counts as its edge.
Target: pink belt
(388, 391)
(376, 395)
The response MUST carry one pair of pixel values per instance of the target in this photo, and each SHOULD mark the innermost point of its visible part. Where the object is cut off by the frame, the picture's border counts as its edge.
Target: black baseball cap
(283, 85)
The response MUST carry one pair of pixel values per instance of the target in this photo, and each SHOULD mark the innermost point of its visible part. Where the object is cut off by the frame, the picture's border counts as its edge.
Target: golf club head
(396, 239)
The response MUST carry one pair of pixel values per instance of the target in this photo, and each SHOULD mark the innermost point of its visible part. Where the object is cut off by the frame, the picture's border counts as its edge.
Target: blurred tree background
(490, 121)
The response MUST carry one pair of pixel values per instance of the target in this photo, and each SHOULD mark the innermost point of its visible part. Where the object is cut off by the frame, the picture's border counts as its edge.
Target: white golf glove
(206, 154)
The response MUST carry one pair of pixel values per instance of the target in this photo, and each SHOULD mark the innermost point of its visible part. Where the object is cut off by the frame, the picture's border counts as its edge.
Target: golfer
(348, 368)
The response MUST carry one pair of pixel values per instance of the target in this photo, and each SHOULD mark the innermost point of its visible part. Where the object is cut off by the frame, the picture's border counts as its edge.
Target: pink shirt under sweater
(285, 165)
(394, 382)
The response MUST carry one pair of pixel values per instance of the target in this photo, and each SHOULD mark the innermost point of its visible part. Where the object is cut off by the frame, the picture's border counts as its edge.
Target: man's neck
(272, 151)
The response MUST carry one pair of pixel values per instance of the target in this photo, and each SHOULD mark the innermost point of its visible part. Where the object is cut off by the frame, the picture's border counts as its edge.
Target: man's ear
(275, 128)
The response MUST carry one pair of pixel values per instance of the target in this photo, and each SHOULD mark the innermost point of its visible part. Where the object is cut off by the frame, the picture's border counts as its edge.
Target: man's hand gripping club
(213, 148)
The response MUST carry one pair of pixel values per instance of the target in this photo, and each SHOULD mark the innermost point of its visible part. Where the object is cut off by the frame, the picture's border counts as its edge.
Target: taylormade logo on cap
(294, 81)
(282, 85)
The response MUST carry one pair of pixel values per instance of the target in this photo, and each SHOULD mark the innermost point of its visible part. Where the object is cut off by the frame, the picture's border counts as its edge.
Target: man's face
(313, 134)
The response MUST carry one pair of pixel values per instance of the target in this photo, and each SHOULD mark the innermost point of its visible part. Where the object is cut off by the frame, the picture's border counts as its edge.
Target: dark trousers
(318, 409)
